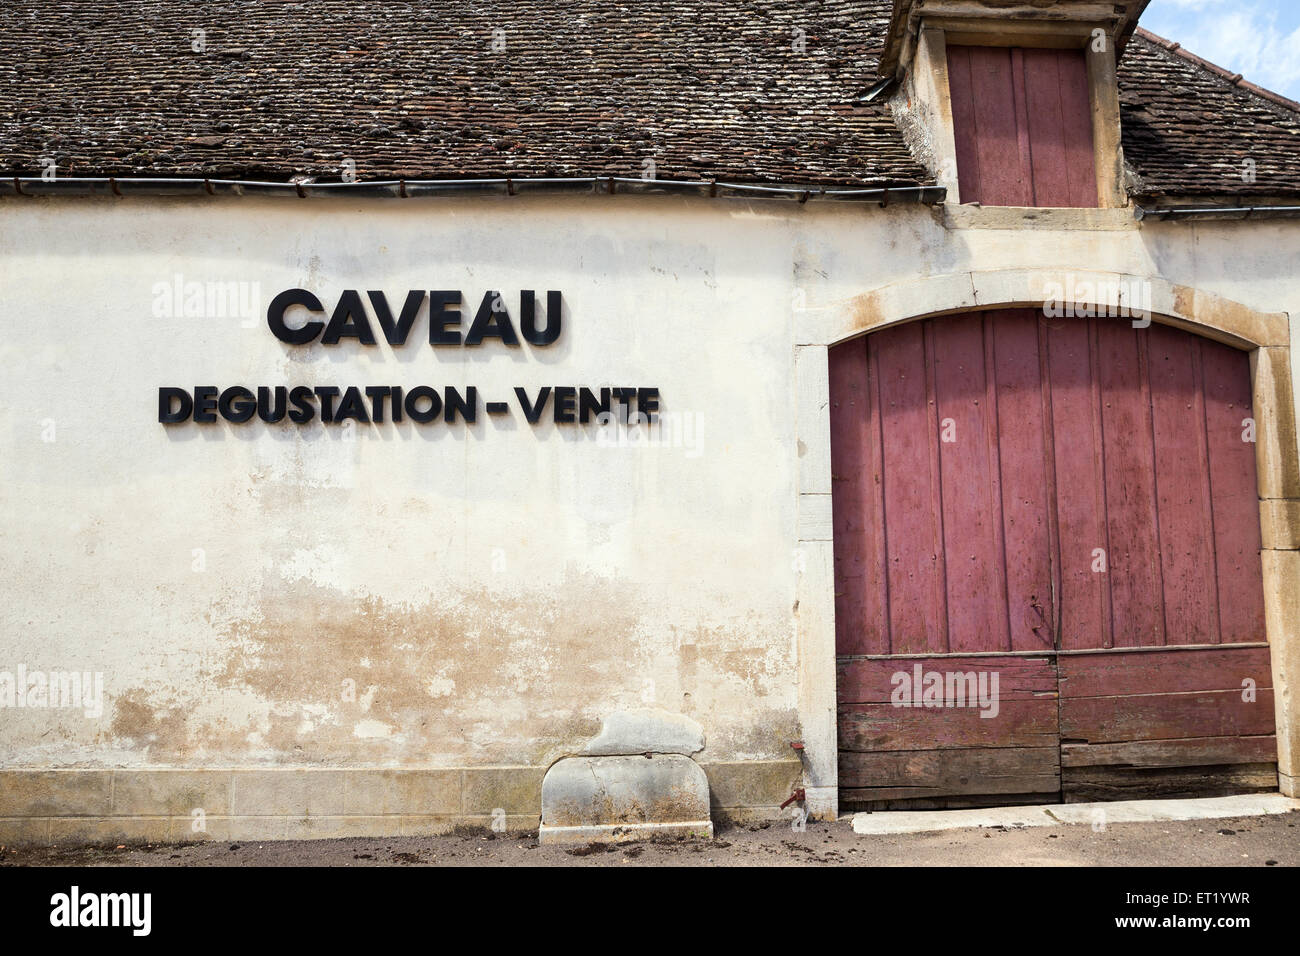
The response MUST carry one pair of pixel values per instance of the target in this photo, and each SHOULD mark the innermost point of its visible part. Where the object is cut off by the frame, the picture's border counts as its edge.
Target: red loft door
(1022, 121)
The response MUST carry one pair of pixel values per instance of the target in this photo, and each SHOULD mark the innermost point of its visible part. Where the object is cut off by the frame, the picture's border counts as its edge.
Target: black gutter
(1203, 213)
(409, 188)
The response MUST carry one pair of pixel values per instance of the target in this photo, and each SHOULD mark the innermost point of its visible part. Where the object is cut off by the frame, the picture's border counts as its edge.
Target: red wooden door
(1022, 123)
(1023, 511)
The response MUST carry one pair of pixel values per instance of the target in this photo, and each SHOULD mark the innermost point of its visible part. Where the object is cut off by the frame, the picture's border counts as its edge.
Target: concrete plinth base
(624, 798)
(624, 832)
(1097, 815)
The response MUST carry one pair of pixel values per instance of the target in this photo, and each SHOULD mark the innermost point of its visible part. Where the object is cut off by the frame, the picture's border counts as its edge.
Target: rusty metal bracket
(797, 796)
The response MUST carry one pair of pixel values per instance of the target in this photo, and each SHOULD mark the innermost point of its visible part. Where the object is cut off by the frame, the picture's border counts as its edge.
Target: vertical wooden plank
(1051, 182)
(1137, 607)
(1060, 128)
(1022, 455)
(962, 96)
(936, 484)
(1020, 104)
(1227, 397)
(1182, 487)
(880, 640)
(914, 538)
(1076, 118)
(998, 559)
(995, 489)
(976, 619)
(1080, 488)
(856, 516)
(1003, 180)
(1049, 474)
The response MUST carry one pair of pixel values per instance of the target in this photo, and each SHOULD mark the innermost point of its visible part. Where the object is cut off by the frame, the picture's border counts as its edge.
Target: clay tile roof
(1189, 127)
(705, 89)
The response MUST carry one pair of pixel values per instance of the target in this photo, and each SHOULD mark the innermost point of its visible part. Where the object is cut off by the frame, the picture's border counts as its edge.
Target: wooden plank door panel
(924, 754)
(1085, 612)
(920, 779)
(1026, 475)
(1191, 721)
(957, 500)
(1132, 561)
(971, 506)
(861, 622)
(1179, 508)
(1059, 118)
(912, 505)
(1183, 494)
(1022, 125)
(1235, 497)
(1005, 484)
(1176, 510)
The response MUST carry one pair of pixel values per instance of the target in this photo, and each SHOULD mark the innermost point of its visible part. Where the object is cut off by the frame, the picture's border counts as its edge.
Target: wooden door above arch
(1067, 510)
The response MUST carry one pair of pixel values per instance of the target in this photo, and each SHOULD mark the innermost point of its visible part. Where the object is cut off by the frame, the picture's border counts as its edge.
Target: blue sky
(1258, 38)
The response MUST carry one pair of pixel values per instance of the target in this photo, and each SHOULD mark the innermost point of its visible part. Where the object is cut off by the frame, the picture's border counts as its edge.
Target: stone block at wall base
(622, 797)
(1290, 786)
(626, 833)
(178, 805)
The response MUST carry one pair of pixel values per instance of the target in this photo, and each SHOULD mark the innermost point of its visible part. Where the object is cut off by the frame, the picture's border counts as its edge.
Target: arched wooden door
(1047, 565)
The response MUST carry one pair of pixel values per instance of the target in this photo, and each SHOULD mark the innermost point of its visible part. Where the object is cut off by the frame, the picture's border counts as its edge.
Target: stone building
(845, 404)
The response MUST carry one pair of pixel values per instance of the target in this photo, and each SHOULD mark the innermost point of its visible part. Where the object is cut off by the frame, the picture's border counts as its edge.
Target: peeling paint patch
(146, 725)
(476, 676)
(372, 729)
(305, 674)
(440, 686)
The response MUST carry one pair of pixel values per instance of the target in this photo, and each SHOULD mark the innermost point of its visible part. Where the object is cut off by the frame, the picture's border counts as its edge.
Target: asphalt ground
(1272, 840)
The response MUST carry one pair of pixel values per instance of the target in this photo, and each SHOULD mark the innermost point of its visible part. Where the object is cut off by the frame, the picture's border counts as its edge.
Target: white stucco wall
(493, 589)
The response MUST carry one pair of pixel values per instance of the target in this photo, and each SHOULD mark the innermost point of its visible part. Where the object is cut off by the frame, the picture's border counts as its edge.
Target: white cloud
(1242, 37)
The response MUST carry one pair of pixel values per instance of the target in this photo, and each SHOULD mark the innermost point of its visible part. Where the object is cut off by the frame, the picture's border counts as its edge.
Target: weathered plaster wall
(492, 590)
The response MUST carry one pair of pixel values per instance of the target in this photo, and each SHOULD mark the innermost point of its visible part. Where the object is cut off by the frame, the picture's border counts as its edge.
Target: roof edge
(36, 186)
(1193, 213)
(1131, 17)
(1234, 78)
(900, 23)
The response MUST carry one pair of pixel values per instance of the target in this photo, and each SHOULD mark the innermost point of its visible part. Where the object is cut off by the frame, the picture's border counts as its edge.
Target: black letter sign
(275, 316)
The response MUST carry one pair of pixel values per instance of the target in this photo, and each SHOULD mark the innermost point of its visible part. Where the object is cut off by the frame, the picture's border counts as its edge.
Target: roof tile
(701, 89)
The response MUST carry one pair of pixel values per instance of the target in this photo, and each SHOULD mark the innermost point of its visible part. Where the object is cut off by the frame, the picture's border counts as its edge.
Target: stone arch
(1205, 313)
(1265, 335)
